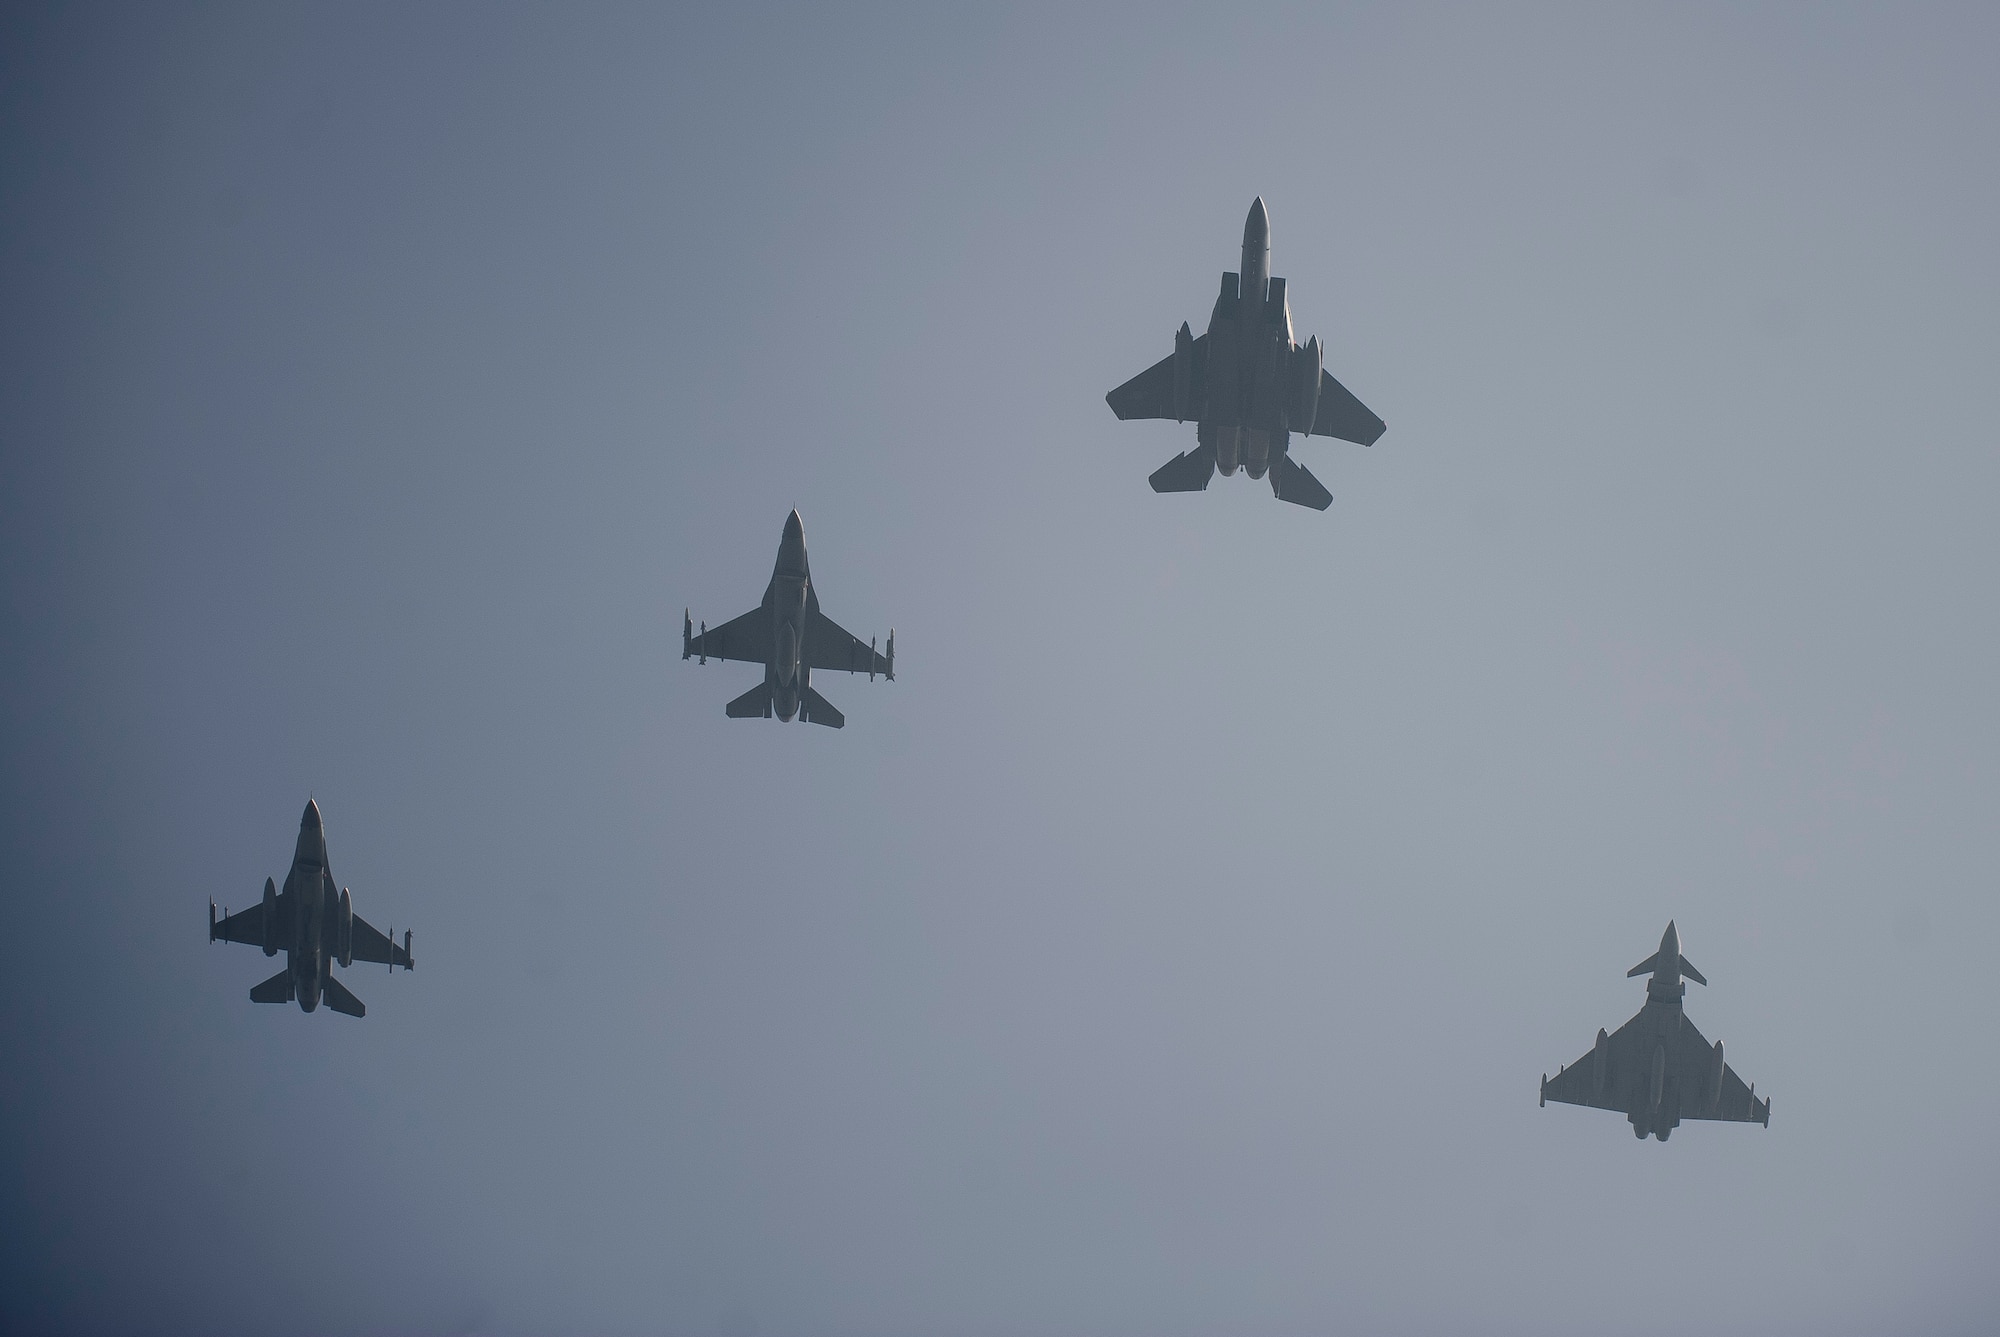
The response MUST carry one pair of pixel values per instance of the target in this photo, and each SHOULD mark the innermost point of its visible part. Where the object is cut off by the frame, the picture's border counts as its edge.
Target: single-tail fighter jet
(1247, 387)
(790, 637)
(1657, 1069)
(315, 924)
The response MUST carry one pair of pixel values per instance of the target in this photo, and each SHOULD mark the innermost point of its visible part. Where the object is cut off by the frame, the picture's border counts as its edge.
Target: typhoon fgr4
(314, 924)
(1657, 1069)
(1247, 387)
(790, 637)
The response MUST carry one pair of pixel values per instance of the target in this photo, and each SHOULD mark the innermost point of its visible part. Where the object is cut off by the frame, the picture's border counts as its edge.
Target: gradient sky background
(1174, 948)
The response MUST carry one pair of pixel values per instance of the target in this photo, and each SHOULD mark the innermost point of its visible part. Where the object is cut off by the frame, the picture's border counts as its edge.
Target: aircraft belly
(787, 641)
(1227, 449)
(1256, 451)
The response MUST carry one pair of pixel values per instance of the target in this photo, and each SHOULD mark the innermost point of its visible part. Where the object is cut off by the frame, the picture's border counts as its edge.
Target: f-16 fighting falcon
(315, 925)
(1247, 387)
(790, 637)
(1657, 1069)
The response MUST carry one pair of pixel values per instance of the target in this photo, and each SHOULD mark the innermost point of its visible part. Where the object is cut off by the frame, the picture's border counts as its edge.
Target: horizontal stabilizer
(1186, 473)
(1295, 483)
(816, 709)
(752, 704)
(277, 989)
(340, 1000)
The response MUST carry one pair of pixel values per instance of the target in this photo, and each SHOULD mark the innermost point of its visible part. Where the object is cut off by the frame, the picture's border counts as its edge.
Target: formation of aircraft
(1657, 1069)
(314, 925)
(1248, 388)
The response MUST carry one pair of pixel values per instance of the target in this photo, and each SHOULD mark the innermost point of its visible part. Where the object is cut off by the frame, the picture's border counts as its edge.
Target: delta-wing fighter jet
(1657, 1069)
(790, 637)
(314, 923)
(1247, 387)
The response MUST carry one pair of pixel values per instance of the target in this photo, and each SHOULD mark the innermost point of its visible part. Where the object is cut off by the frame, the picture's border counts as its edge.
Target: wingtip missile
(890, 672)
(687, 632)
(211, 919)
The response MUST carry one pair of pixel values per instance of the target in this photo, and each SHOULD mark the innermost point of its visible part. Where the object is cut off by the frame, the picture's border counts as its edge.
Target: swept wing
(372, 944)
(1578, 1084)
(1691, 1067)
(249, 926)
(1689, 1089)
(1343, 417)
(1150, 394)
(830, 646)
(747, 638)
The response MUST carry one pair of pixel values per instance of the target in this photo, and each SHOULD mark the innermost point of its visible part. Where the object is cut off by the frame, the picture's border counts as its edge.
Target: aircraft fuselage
(306, 883)
(1252, 363)
(791, 589)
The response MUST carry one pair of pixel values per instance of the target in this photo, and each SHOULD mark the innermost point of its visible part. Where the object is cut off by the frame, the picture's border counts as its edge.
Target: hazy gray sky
(1175, 947)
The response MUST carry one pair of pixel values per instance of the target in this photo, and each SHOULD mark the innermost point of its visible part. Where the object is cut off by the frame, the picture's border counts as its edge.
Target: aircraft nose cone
(795, 528)
(311, 817)
(1670, 941)
(1257, 227)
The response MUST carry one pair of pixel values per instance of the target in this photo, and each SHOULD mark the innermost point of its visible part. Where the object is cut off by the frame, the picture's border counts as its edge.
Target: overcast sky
(1175, 947)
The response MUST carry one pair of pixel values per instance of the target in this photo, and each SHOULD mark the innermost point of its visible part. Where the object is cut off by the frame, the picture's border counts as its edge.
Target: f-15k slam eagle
(1247, 387)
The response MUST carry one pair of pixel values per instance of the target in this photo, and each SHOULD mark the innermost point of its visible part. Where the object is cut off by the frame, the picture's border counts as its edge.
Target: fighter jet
(1247, 387)
(1657, 1069)
(315, 925)
(790, 637)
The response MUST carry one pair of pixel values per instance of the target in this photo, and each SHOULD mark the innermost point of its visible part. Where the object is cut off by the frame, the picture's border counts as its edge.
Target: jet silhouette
(315, 925)
(790, 637)
(1247, 387)
(1657, 1069)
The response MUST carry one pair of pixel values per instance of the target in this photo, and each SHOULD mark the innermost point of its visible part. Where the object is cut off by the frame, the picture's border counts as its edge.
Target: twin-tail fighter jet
(790, 637)
(1657, 1069)
(1247, 387)
(315, 924)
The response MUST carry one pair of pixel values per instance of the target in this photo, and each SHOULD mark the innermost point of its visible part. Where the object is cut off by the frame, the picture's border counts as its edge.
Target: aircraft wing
(747, 638)
(249, 926)
(1340, 415)
(828, 646)
(1694, 1067)
(1577, 1084)
(371, 944)
(1150, 394)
